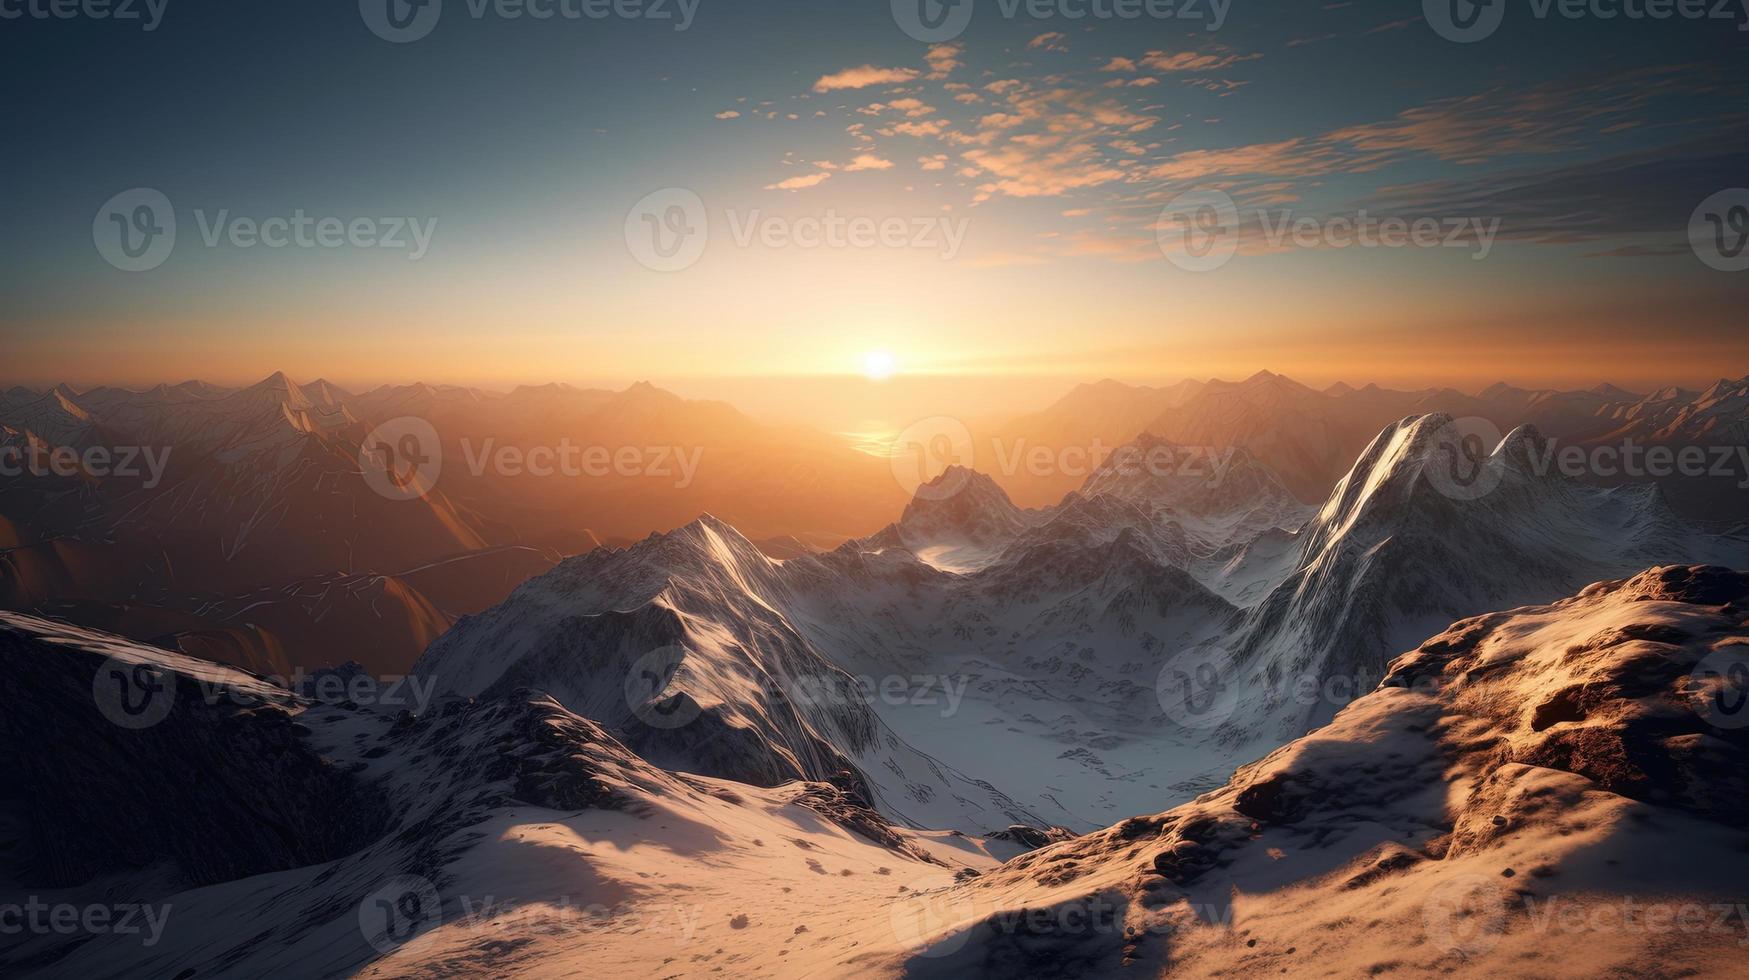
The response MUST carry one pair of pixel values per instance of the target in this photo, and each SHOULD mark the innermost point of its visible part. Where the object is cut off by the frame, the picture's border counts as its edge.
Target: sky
(712, 195)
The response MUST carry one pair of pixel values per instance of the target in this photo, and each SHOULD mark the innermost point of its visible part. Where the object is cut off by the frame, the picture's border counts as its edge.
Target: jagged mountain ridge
(465, 818)
(1562, 758)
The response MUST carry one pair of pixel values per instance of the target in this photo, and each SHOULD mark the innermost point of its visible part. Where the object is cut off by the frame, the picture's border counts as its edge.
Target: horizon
(1055, 160)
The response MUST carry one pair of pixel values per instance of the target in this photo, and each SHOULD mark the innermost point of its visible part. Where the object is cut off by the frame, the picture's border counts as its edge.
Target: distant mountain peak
(1608, 390)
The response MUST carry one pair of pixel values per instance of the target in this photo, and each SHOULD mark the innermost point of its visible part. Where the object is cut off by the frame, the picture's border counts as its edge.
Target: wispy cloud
(798, 183)
(864, 76)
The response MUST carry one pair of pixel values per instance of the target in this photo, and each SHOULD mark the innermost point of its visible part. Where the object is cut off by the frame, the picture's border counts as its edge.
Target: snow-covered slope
(1403, 545)
(238, 831)
(1554, 791)
(1092, 661)
(682, 645)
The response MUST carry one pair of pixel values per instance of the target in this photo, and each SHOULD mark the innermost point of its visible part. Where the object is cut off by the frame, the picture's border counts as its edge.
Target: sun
(879, 365)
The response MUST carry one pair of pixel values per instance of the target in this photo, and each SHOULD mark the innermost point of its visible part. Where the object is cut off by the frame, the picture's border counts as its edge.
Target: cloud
(868, 161)
(1119, 64)
(1192, 60)
(911, 107)
(932, 127)
(797, 183)
(1648, 193)
(1050, 41)
(864, 76)
(1500, 122)
(1024, 171)
(936, 162)
(943, 59)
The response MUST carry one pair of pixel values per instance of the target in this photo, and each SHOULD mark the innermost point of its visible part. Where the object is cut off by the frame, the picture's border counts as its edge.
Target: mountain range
(931, 749)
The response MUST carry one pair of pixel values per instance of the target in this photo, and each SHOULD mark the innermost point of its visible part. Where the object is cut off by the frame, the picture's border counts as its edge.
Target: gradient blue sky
(529, 140)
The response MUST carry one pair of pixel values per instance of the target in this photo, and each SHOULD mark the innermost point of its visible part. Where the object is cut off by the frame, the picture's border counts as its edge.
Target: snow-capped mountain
(1533, 790)
(1310, 438)
(1078, 633)
(1559, 784)
(1043, 629)
(1403, 544)
(233, 829)
(681, 644)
